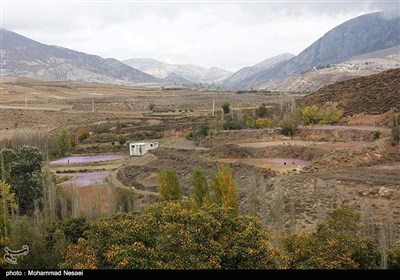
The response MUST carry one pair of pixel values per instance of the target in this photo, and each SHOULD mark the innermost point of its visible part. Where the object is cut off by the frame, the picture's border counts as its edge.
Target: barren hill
(375, 94)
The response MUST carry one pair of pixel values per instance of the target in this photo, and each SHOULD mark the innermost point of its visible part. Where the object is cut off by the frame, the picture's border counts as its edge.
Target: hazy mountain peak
(189, 72)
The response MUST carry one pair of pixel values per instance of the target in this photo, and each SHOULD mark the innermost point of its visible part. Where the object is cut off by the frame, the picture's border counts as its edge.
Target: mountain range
(354, 42)
(360, 35)
(189, 72)
(21, 56)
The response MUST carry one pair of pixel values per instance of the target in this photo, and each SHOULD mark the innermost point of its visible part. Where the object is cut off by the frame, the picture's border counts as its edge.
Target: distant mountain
(21, 56)
(360, 35)
(264, 65)
(175, 79)
(193, 73)
(355, 67)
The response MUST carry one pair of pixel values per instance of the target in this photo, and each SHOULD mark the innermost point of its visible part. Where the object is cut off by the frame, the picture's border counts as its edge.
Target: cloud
(229, 35)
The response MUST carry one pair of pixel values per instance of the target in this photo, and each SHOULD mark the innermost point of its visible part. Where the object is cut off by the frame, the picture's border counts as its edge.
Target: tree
(337, 243)
(25, 178)
(174, 235)
(63, 142)
(224, 189)
(226, 108)
(310, 115)
(7, 204)
(168, 185)
(121, 139)
(200, 187)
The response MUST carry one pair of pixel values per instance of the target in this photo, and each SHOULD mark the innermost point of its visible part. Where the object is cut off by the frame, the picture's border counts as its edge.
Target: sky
(225, 34)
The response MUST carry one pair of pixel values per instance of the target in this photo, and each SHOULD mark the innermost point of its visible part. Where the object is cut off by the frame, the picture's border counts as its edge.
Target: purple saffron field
(85, 179)
(288, 161)
(81, 159)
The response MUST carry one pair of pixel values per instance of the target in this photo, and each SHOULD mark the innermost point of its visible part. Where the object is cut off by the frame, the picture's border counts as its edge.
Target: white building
(139, 149)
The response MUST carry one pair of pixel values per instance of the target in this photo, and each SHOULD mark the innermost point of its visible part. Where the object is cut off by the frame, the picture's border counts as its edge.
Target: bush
(199, 133)
(310, 115)
(264, 122)
(313, 115)
(250, 122)
(261, 111)
(330, 116)
(82, 133)
(288, 126)
(232, 125)
(121, 139)
(226, 108)
(377, 135)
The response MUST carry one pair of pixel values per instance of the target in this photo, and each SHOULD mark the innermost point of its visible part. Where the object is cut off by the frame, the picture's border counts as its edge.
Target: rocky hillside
(360, 35)
(21, 56)
(375, 94)
(192, 73)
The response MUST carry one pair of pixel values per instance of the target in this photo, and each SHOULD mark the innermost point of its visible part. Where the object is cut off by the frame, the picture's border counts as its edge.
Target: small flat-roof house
(141, 148)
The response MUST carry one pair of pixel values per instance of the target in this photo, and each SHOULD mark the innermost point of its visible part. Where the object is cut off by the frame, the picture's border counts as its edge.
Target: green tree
(226, 107)
(25, 179)
(200, 187)
(224, 189)
(63, 142)
(168, 185)
(121, 139)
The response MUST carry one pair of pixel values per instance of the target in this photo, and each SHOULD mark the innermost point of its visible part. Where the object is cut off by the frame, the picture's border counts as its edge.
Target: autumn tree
(224, 188)
(174, 235)
(7, 204)
(337, 243)
(200, 187)
(168, 185)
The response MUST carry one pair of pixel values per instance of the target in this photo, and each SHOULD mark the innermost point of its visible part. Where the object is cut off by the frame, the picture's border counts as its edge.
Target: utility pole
(92, 105)
(213, 108)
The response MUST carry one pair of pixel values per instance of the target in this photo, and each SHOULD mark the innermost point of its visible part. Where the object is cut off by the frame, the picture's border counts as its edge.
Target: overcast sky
(226, 34)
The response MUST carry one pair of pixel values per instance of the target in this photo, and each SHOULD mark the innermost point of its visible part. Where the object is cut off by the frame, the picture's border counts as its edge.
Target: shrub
(330, 116)
(313, 115)
(82, 133)
(232, 125)
(310, 115)
(250, 122)
(261, 111)
(121, 139)
(377, 135)
(288, 126)
(199, 133)
(226, 108)
(264, 122)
